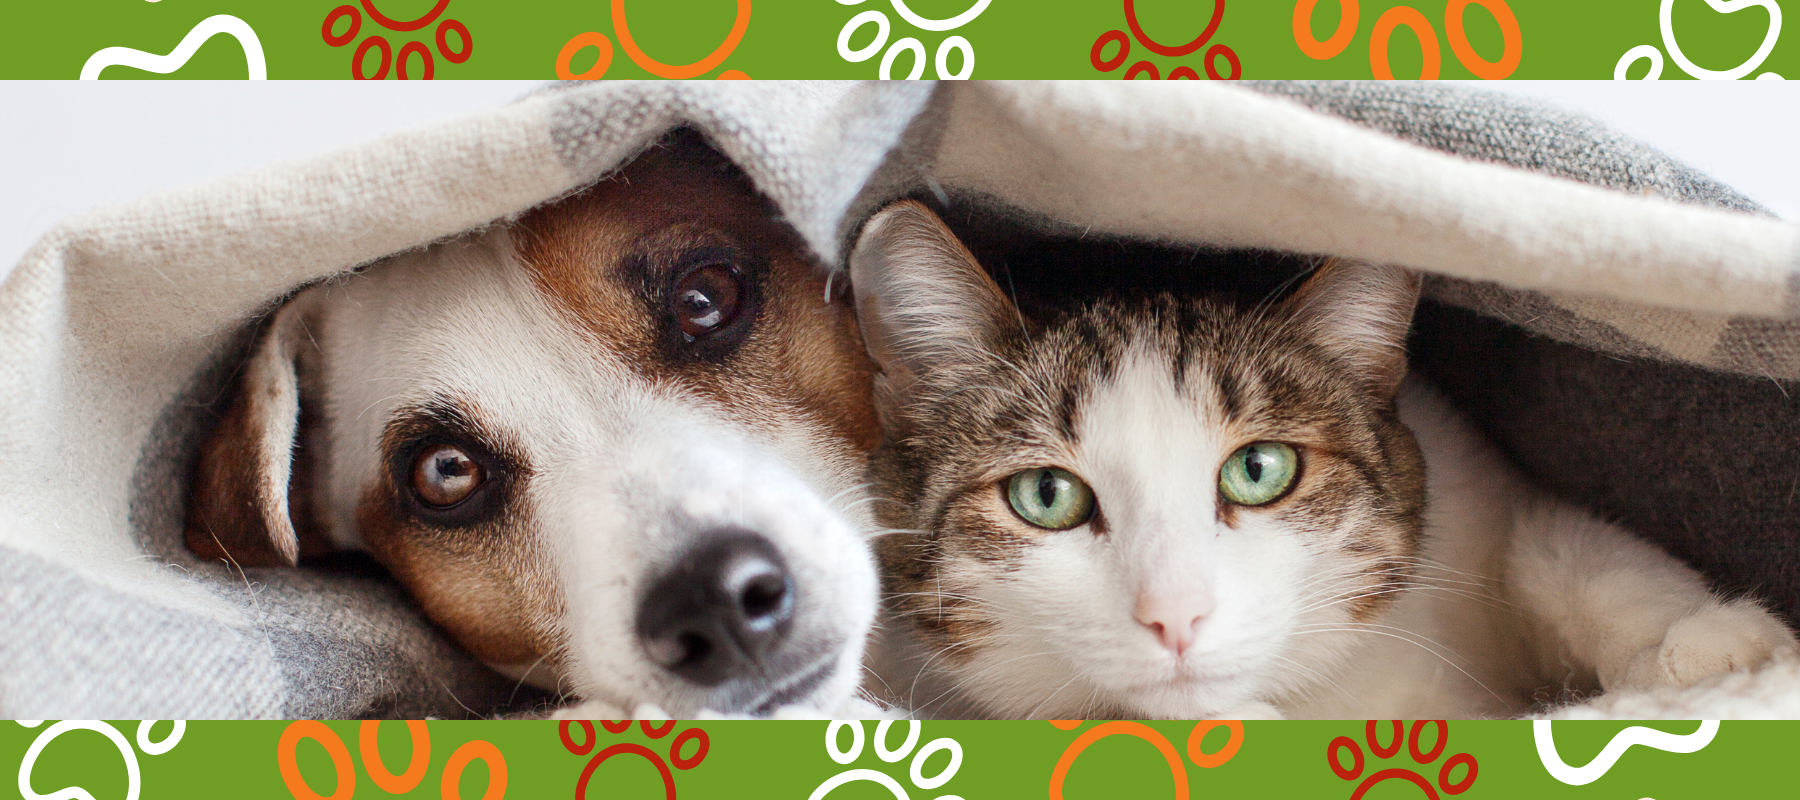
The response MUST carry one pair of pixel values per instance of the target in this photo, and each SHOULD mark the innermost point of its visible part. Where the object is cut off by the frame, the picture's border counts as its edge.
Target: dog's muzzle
(723, 612)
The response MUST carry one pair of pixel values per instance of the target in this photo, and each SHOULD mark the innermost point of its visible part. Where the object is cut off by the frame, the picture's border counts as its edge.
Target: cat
(1176, 507)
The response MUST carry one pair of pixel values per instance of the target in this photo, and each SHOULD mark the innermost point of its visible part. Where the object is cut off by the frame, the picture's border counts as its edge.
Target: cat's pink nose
(1174, 618)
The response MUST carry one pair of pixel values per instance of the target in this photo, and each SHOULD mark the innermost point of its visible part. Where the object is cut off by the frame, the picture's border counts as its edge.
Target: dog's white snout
(743, 587)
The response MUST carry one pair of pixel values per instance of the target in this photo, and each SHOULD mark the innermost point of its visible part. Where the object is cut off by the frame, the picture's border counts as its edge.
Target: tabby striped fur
(1346, 596)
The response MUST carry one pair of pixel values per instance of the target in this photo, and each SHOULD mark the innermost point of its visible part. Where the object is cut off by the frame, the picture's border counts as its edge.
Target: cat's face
(1160, 508)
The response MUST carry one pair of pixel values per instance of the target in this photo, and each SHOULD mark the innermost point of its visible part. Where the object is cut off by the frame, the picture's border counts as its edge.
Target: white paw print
(132, 777)
(879, 18)
(916, 772)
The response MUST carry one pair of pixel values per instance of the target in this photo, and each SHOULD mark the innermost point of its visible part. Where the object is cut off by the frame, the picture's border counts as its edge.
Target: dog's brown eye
(707, 299)
(444, 476)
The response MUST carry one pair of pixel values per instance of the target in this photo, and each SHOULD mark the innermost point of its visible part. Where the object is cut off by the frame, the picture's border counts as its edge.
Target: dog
(614, 447)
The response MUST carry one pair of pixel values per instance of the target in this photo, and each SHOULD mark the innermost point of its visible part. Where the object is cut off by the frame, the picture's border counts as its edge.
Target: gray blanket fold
(1622, 325)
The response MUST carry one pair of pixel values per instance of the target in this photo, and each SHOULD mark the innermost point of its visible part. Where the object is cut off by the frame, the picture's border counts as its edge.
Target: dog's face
(618, 444)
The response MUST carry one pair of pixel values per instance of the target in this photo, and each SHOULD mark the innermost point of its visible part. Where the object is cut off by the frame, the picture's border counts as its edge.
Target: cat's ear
(1360, 313)
(921, 298)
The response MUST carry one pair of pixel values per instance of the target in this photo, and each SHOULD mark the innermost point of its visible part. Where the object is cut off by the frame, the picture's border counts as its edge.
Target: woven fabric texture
(1622, 325)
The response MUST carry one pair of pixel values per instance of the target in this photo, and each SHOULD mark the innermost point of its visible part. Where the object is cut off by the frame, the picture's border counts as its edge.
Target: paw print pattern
(915, 772)
(465, 46)
(597, 40)
(133, 779)
(589, 739)
(905, 44)
(1142, 67)
(1195, 750)
(1354, 769)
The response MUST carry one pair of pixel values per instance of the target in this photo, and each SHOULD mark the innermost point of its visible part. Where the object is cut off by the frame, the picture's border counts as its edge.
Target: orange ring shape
(290, 767)
(1120, 728)
(678, 71)
(1421, 27)
(1207, 760)
(394, 25)
(1465, 52)
(415, 768)
(1340, 38)
(573, 46)
(453, 770)
(1144, 39)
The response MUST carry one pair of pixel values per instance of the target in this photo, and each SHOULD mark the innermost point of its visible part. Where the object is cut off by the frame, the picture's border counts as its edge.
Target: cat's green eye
(1259, 473)
(1050, 498)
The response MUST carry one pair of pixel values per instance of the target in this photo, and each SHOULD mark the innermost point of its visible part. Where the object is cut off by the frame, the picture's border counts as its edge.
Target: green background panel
(747, 759)
(798, 38)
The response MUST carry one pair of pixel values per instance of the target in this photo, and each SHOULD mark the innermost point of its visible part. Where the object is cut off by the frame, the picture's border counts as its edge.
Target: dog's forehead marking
(803, 362)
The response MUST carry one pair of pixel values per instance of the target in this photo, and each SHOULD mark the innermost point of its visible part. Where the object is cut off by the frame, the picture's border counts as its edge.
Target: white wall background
(69, 147)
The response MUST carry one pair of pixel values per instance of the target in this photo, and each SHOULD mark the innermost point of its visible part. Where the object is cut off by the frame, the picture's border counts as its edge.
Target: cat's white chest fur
(1526, 599)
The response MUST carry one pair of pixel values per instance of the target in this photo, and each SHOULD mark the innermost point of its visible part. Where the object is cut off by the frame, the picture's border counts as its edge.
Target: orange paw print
(603, 60)
(1422, 758)
(1177, 768)
(286, 760)
(589, 739)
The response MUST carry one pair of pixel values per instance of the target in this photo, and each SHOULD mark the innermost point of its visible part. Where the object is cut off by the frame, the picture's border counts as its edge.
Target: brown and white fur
(1407, 573)
(630, 474)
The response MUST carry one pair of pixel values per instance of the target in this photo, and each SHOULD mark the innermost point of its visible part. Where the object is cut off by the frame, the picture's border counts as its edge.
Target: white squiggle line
(208, 28)
(75, 792)
(1609, 755)
(974, 11)
(1723, 7)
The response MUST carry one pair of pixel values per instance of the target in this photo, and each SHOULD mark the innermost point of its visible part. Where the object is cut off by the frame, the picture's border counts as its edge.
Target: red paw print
(465, 45)
(1145, 66)
(620, 726)
(1424, 759)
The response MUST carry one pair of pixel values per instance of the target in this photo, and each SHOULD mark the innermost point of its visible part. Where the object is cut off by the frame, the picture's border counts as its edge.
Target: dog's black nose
(721, 611)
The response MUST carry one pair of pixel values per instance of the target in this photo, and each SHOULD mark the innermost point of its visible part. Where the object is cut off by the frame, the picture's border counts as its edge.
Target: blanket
(1622, 325)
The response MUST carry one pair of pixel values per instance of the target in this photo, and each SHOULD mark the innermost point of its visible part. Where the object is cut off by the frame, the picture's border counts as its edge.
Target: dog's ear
(238, 510)
(921, 298)
(1360, 313)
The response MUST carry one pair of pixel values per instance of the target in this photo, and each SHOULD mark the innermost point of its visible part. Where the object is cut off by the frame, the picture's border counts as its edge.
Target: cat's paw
(1739, 636)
